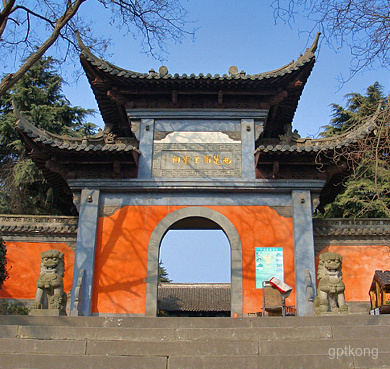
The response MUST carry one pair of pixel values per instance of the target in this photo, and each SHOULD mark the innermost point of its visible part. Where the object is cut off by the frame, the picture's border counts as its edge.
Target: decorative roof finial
(233, 70)
(163, 71)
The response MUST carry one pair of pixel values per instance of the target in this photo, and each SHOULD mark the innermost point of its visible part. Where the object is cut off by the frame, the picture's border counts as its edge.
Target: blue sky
(194, 256)
(244, 34)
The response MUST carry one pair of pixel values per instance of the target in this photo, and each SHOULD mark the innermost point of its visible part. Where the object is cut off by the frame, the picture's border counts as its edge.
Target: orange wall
(122, 243)
(359, 265)
(23, 263)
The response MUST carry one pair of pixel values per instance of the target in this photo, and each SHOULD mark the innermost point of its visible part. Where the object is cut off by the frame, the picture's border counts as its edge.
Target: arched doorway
(196, 254)
(189, 217)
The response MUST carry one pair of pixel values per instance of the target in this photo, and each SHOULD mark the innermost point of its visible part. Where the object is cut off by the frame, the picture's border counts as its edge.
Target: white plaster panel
(197, 137)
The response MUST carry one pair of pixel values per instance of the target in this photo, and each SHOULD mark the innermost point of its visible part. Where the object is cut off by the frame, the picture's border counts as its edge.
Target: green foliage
(359, 108)
(362, 198)
(3, 262)
(367, 191)
(39, 98)
(12, 308)
(162, 274)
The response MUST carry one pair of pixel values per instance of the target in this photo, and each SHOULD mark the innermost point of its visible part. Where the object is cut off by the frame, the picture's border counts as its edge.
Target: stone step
(123, 348)
(286, 362)
(194, 334)
(45, 361)
(172, 343)
(172, 334)
(141, 322)
(213, 347)
(66, 347)
(333, 347)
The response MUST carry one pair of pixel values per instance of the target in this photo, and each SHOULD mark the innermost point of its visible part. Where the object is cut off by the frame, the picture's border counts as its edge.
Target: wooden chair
(273, 301)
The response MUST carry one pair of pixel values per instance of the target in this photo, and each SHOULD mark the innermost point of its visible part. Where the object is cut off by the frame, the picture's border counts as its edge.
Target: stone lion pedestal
(330, 298)
(50, 298)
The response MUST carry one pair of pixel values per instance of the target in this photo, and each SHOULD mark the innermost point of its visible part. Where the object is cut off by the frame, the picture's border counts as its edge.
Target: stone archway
(154, 245)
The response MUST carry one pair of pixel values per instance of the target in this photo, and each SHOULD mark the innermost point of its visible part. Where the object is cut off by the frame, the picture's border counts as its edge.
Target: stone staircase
(355, 341)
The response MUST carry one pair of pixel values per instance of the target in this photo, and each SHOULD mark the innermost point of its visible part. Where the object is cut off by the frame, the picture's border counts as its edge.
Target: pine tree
(367, 191)
(359, 107)
(162, 274)
(38, 96)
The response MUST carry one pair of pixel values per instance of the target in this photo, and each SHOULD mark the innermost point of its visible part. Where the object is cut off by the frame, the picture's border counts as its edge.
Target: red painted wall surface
(359, 265)
(23, 263)
(122, 243)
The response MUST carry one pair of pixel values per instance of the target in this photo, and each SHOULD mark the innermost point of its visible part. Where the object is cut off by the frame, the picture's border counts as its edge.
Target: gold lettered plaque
(197, 154)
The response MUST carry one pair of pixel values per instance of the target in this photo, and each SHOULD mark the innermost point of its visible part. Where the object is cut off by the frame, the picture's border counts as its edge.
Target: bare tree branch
(30, 28)
(5, 14)
(8, 81)
(361, 25)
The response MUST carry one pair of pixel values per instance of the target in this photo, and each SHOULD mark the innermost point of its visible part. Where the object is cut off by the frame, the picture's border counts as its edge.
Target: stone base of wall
(358, 307)
(28, 302)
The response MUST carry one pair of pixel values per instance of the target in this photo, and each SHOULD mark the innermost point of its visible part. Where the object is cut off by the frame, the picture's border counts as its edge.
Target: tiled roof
(328, 227)
(194, 297)
(39, 228)
(235, 77)
(300, 145)
(290, 147)
(115, 87)
(355, 231)
(383, 279)
(18, 224)
(92, 145)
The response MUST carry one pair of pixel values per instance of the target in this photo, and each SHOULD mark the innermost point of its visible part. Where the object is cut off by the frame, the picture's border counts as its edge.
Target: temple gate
(185, 151)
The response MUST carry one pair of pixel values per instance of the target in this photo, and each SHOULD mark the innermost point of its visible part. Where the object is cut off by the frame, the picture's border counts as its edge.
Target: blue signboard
(269, 263)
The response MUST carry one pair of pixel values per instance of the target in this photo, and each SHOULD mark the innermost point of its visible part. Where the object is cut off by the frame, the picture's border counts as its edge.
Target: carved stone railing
(31, 228)
(335, 231)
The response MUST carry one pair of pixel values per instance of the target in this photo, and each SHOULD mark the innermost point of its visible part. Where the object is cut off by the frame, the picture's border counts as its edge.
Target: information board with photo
(269, 263)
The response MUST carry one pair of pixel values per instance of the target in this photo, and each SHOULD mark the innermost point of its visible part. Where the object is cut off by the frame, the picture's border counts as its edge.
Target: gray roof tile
(322, 144)
(77, 144)
(194, 297)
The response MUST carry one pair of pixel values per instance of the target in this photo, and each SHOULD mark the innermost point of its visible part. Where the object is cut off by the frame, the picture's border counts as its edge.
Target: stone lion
(50, 287)
(330, 291)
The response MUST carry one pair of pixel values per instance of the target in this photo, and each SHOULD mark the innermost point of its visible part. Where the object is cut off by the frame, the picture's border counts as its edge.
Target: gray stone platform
(359, 341)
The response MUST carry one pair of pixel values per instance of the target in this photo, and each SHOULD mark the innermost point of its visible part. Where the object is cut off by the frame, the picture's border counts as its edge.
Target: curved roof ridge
(26, 126)
(115, 70)
(101, 63)
(307, 56)
(69, 142)
(355, 132)
(314, 46)
(318, 144)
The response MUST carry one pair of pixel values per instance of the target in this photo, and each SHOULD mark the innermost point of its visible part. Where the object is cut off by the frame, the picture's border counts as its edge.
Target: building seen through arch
(197, 259)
